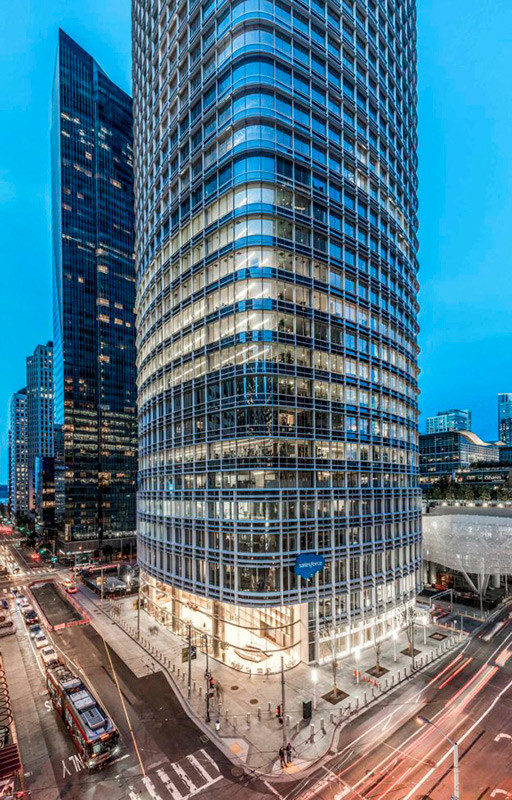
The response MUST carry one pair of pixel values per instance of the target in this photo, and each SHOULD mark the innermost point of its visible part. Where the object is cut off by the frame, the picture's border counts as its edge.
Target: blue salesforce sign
(307, 564)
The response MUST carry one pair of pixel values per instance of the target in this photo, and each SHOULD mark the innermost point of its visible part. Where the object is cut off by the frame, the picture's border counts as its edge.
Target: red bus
(95, 736)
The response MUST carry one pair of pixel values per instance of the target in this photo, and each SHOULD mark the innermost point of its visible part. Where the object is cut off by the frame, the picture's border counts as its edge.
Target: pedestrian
(289, 753)
(282, 756)
(217, 724)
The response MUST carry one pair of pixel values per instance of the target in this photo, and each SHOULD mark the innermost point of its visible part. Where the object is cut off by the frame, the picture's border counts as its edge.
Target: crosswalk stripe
(148, 783)
(210, 759)
(132, 794)
(169, 785)
(197, 764)
(180, 772)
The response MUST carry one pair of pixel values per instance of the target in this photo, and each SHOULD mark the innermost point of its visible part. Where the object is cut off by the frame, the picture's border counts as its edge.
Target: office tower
(18, 461)
(455, 419)
(94, 292)
(276, 300)
(40, 431)
(505, 418)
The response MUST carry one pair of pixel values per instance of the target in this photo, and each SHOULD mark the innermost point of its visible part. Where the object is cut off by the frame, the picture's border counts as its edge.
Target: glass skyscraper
(455, 419)
(94, 294)
(277, 322)
(18, 460)
(40, 429)
(505, 418)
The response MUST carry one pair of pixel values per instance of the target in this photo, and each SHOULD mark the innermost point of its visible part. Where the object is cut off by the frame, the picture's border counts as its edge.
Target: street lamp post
(314, 680)
(455, 747)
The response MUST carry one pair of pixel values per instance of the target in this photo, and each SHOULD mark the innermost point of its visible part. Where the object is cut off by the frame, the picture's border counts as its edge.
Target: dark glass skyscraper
(94, 292)
(277, 321)
(40, 428)
(18, 460)
(505, 417)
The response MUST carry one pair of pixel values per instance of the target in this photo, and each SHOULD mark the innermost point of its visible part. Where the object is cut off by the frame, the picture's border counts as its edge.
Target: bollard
(373, 691)
(178, 672)
(174, 667)
(226, 714)
(405, 672)
(331, 717)
(248, 719)
(259, 712)
(322, 725)
(234, 722)
(193, 686)
(348, 708)
(269, 707)
(200, 691)
(297, 727)
(357, 702)
(385, 684)
(365, 700)
(288, 721)
(311, 733)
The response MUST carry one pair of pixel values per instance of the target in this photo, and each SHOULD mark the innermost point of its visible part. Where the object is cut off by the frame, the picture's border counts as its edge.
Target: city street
(383, 753)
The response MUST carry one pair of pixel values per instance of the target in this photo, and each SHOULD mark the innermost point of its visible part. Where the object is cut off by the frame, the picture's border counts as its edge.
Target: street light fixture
(455, 746)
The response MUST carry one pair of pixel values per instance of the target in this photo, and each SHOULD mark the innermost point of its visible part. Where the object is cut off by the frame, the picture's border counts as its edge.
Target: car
(25, 606)
(71, 590)
(34, 630)
(15, 570)
(4, 603)
(49, 657)
(31, 618)
(40, 641)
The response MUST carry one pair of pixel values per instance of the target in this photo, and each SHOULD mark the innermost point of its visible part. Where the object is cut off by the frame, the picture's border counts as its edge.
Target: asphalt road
(387, 753)
(56, 610)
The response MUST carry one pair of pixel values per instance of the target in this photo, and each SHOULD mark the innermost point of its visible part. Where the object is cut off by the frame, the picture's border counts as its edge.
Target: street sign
(184, 653)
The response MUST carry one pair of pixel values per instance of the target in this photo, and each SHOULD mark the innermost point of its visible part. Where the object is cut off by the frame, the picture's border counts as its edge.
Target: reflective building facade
(39, 426)
(94, 293)
(505, 418)
(276, 299)
(455, 419)
(18, 459)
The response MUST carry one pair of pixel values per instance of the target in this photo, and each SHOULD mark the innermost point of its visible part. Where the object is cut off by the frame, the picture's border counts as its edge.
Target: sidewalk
(245, 704)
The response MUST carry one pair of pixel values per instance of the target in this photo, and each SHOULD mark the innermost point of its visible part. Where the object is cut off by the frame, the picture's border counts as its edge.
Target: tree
(409, 616)
(377, 645)
(330, 643)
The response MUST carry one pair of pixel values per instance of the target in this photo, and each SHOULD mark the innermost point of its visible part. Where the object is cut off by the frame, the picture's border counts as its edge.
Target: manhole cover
(234, 688)
(253, 701)
(204, 738)
(237, 772)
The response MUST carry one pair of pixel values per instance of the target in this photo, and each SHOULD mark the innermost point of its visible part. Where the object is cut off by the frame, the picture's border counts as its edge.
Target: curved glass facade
(276, 301)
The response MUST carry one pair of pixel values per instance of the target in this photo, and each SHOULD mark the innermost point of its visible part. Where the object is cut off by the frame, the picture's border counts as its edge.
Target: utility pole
(138, 612)
(283, 707)
(207, 678)
(189, 660)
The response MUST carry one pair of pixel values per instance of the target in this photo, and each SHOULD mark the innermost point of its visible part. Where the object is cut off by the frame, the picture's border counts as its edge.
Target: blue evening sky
(465, 97)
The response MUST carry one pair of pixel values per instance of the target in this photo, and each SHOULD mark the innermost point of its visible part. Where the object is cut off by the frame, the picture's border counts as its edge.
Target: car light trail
(459, 669)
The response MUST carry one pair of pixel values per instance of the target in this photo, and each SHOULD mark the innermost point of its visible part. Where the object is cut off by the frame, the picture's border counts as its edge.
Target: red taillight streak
(459, 669)
(468, 683)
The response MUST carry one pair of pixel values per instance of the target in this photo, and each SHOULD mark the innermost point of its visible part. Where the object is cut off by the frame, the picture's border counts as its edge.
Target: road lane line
(189, 783)
(148, 783)
(125, 710)
(210, 759)
(462, 738)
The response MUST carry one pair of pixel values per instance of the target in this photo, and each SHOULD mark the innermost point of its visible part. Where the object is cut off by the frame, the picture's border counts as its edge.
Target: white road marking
(65, 770)
(210, 759)
(499, 791)
(199, 767)
(132, 794)
(148, 783)
(269, 786)
(180, 772)
(169, 785)
(502, 736)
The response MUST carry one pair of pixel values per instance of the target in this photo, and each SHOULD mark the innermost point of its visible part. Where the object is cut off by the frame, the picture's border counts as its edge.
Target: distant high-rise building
(40, 445)
(455, 419)
(279, 510)
(94, 294)
(505, 418)
(18, 457)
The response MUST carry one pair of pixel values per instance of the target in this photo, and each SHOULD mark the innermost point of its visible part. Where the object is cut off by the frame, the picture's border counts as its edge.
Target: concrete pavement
(244, 705)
